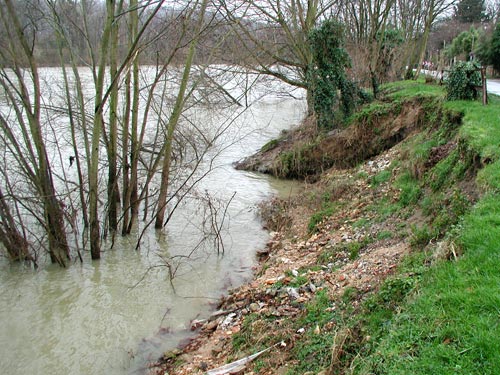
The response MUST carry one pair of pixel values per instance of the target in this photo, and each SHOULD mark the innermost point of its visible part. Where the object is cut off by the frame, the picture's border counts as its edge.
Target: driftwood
(237, 366)
(220, 313)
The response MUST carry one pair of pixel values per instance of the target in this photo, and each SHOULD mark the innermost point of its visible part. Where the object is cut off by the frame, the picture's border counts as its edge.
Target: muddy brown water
(115, 315)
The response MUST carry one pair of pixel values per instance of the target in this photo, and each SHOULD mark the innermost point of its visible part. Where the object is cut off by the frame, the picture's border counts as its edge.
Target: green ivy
(326, 75)
(462, 80)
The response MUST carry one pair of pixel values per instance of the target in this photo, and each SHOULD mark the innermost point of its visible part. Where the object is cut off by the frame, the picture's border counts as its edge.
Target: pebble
(271, 292)
(229, 319)
(211, 326)
(172, 353)
(292, 293)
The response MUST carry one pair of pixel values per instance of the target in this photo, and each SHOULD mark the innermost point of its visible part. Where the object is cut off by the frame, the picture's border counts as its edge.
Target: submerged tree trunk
(174, 120)
(53, 214)
(95, 240)
(130, 204)
(112, 147)
(14, 242)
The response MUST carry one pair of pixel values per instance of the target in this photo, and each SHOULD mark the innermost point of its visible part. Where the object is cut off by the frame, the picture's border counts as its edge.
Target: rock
(217, 348)
(197, 323)
(292, 293)
(271, 292)
(203, 366)
(171, 354)
(261, 253)
(211, 326)
(228, 320)
(254, 307)
(301, 330)
(295, 273)
(312, 288)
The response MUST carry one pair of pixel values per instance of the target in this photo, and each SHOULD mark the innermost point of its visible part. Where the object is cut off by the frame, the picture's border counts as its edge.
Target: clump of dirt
(438, 153)
(264, 161)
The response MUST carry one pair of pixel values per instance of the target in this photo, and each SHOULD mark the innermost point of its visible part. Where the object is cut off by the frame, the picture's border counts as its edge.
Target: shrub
(462, 80)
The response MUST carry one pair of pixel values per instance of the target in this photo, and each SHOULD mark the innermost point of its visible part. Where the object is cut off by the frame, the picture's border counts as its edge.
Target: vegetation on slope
(439, 312)
(448, 324)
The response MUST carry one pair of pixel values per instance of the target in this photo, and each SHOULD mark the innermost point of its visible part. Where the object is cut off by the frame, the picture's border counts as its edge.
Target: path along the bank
(493, 86)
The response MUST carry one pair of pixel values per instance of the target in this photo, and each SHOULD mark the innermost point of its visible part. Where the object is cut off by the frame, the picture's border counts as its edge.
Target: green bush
(460, 84)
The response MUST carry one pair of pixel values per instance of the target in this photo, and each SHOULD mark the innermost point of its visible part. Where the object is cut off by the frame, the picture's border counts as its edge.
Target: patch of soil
(439, 153)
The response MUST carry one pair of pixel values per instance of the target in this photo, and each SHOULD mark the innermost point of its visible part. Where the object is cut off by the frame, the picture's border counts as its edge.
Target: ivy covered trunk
(327, 74)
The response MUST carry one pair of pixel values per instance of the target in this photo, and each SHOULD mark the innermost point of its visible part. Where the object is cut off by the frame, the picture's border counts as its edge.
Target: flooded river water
(114, 315)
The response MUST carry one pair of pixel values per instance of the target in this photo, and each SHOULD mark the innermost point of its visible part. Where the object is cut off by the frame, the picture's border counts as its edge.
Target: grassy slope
(449, 324)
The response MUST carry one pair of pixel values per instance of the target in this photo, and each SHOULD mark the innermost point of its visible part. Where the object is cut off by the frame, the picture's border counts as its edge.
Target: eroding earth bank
(335, 245)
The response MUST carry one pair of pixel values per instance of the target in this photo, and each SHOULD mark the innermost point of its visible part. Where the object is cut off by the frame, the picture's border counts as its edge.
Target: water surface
(114, 315)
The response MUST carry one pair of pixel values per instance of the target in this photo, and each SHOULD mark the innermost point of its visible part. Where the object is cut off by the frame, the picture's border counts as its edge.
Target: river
(115, 315)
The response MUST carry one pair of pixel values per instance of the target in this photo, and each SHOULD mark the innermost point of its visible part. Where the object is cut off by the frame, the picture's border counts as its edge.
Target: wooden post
(483, 80)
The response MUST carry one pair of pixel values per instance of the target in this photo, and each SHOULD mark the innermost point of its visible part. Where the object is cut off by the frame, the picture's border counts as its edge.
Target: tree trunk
(113, 195)
(130, 201)
(16, 245)
(95, 240)
(53, 215)
(173, 121)
(425, 38)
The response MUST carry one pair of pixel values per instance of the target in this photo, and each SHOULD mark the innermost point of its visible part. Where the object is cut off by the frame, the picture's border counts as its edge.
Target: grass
(449, 323)
(481, 126)
(410, 189)
(313, 351)
(328, 209)
(404, 89)
(435, 315)
(380, 178)
(451, 326)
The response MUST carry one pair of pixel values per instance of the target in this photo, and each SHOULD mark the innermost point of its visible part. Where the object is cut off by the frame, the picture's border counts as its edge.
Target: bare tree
(121, 127)
(26, 102)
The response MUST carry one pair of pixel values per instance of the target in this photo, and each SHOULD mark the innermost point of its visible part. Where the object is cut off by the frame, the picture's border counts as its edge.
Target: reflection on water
(115, 315)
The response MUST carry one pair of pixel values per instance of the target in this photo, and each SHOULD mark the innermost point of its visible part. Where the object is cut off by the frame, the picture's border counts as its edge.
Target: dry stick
(338, 344)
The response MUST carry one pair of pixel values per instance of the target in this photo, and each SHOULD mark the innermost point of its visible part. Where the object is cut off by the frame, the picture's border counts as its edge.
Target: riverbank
(348, 283)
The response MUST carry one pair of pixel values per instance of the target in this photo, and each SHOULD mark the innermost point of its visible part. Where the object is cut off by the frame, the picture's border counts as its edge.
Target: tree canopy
(470, 11)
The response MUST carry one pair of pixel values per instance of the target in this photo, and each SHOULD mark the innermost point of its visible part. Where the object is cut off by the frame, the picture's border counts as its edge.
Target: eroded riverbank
(346, 253)
(295, 269)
